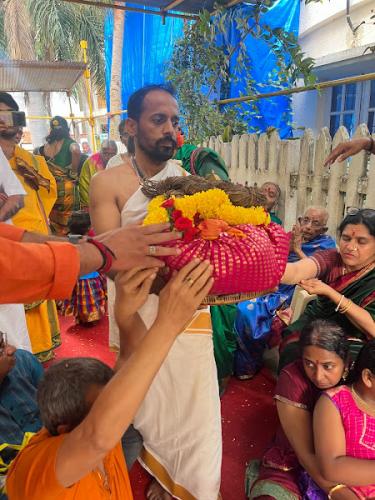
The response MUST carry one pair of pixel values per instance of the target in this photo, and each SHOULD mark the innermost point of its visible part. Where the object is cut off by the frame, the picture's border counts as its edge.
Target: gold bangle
(345, 308)
(334, 489)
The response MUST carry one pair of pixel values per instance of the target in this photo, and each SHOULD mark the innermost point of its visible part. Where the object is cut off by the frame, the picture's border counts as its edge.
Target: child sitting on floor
(88, 300)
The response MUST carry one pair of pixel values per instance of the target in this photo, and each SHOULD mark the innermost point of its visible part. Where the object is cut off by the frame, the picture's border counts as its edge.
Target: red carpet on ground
(248, 412)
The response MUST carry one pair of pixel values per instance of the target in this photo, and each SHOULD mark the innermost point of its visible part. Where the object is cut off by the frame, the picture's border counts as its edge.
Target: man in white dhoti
(12, 316)
(180, 418)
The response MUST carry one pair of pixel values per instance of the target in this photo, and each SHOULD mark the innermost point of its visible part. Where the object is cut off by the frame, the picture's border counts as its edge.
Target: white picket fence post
(296, 165)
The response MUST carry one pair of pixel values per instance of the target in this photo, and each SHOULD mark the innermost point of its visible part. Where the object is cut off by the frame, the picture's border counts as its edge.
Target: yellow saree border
(159, 472)
(156, 469)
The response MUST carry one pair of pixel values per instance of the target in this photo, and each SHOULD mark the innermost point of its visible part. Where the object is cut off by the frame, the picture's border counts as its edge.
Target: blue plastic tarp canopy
(148, 46)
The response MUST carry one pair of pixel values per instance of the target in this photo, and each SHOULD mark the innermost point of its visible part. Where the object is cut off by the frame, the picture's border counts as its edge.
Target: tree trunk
(20, 44)
(35, 105)
(116, 70)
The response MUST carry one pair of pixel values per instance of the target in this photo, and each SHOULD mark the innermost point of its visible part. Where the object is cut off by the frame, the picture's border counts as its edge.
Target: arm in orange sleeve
(11, 232)
(31, 271)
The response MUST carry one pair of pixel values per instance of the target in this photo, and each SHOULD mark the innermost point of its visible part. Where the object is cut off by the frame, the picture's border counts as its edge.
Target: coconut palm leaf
(17, 29)
(3, 40)
(59, 27)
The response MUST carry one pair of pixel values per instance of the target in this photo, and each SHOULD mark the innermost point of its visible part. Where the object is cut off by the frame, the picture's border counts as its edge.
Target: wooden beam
(103, 5)
(171, 5)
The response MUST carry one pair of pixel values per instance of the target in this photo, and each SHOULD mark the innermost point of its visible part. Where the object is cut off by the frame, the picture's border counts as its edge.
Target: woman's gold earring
(345, 374)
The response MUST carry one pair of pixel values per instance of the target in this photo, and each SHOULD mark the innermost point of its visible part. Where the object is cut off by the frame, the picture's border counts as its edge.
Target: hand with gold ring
(139, 246)
(189, 280)
(179, 302)
(152, 250)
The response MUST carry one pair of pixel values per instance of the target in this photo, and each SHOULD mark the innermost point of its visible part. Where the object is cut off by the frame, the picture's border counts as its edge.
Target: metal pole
(297, 90)
(83, 45)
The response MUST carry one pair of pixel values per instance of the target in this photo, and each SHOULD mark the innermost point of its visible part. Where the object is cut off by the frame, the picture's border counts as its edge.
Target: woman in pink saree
(344, 432)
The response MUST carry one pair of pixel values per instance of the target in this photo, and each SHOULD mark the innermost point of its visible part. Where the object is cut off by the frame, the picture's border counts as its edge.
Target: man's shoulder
(112, 183)
(35, 462)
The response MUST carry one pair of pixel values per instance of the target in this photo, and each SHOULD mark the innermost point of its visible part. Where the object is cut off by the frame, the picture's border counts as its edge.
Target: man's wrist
(370, 145)
(90, 258)
(166, 328)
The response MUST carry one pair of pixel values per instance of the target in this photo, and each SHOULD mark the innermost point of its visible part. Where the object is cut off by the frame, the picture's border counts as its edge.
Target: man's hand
(132, 290)
(7, 361)
(183, 294)
(314, 286)
(296, 239)
(139, 246)
(10, 205)
(346, 149)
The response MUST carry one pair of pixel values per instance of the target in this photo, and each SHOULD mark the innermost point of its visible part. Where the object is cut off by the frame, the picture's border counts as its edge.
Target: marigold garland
(211, 204)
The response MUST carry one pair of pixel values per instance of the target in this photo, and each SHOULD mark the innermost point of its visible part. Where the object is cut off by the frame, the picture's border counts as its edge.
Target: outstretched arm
(76, 157)
(132, 290)
(297, 425)
(330, 446)
(357, 315)
(350, 148)
(297, 271)
(85, 447)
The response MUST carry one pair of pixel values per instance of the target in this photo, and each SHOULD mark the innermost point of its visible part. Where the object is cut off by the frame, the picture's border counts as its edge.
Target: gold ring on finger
(152, 250)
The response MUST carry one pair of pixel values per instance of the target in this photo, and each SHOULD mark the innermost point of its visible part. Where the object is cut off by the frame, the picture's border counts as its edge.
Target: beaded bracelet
(335, 488)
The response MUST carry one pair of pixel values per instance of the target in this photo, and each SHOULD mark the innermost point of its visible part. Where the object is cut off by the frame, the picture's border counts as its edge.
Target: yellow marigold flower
(156, 216)
(240, 215)
(188, 206)
(211, 204)
(156, 202)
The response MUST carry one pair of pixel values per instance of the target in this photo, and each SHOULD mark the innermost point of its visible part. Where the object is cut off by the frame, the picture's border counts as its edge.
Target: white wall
(324, 29)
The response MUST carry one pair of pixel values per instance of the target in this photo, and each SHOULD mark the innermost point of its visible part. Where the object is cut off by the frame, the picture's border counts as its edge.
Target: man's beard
(9, 134)
(160, 152)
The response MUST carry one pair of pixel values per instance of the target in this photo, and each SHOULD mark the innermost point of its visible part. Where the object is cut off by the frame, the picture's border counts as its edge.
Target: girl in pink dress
(344, 432)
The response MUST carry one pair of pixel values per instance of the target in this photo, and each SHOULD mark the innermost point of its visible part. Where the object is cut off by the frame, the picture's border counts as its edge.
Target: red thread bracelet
(105, 252)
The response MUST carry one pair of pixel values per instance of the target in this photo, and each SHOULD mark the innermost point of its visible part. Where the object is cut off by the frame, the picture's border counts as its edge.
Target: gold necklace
(361, 400)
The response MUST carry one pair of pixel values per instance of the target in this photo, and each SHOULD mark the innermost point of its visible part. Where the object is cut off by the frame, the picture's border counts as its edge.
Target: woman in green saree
(63, 158)
(344, 281)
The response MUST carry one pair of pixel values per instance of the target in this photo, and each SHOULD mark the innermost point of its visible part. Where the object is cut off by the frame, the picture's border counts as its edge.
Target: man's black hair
(7, 99)
(135, 102)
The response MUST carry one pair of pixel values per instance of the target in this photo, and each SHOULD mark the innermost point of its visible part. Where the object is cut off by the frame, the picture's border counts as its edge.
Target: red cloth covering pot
(253, 263)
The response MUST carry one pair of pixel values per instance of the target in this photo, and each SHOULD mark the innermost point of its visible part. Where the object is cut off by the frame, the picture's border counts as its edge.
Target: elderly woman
(344, 281)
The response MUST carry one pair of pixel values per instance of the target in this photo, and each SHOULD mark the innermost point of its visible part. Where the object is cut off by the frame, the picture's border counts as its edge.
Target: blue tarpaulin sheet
(148, 45)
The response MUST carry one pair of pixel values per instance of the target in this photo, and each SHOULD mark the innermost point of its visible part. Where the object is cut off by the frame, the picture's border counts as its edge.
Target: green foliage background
(199, 63)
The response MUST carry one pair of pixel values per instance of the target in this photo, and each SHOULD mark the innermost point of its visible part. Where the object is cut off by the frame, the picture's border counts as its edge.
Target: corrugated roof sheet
(38, 76)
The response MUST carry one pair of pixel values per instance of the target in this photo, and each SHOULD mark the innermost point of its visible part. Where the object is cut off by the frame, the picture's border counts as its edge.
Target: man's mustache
(161, 142)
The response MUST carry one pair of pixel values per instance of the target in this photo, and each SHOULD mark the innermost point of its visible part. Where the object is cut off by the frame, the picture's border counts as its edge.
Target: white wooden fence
(297, 167)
